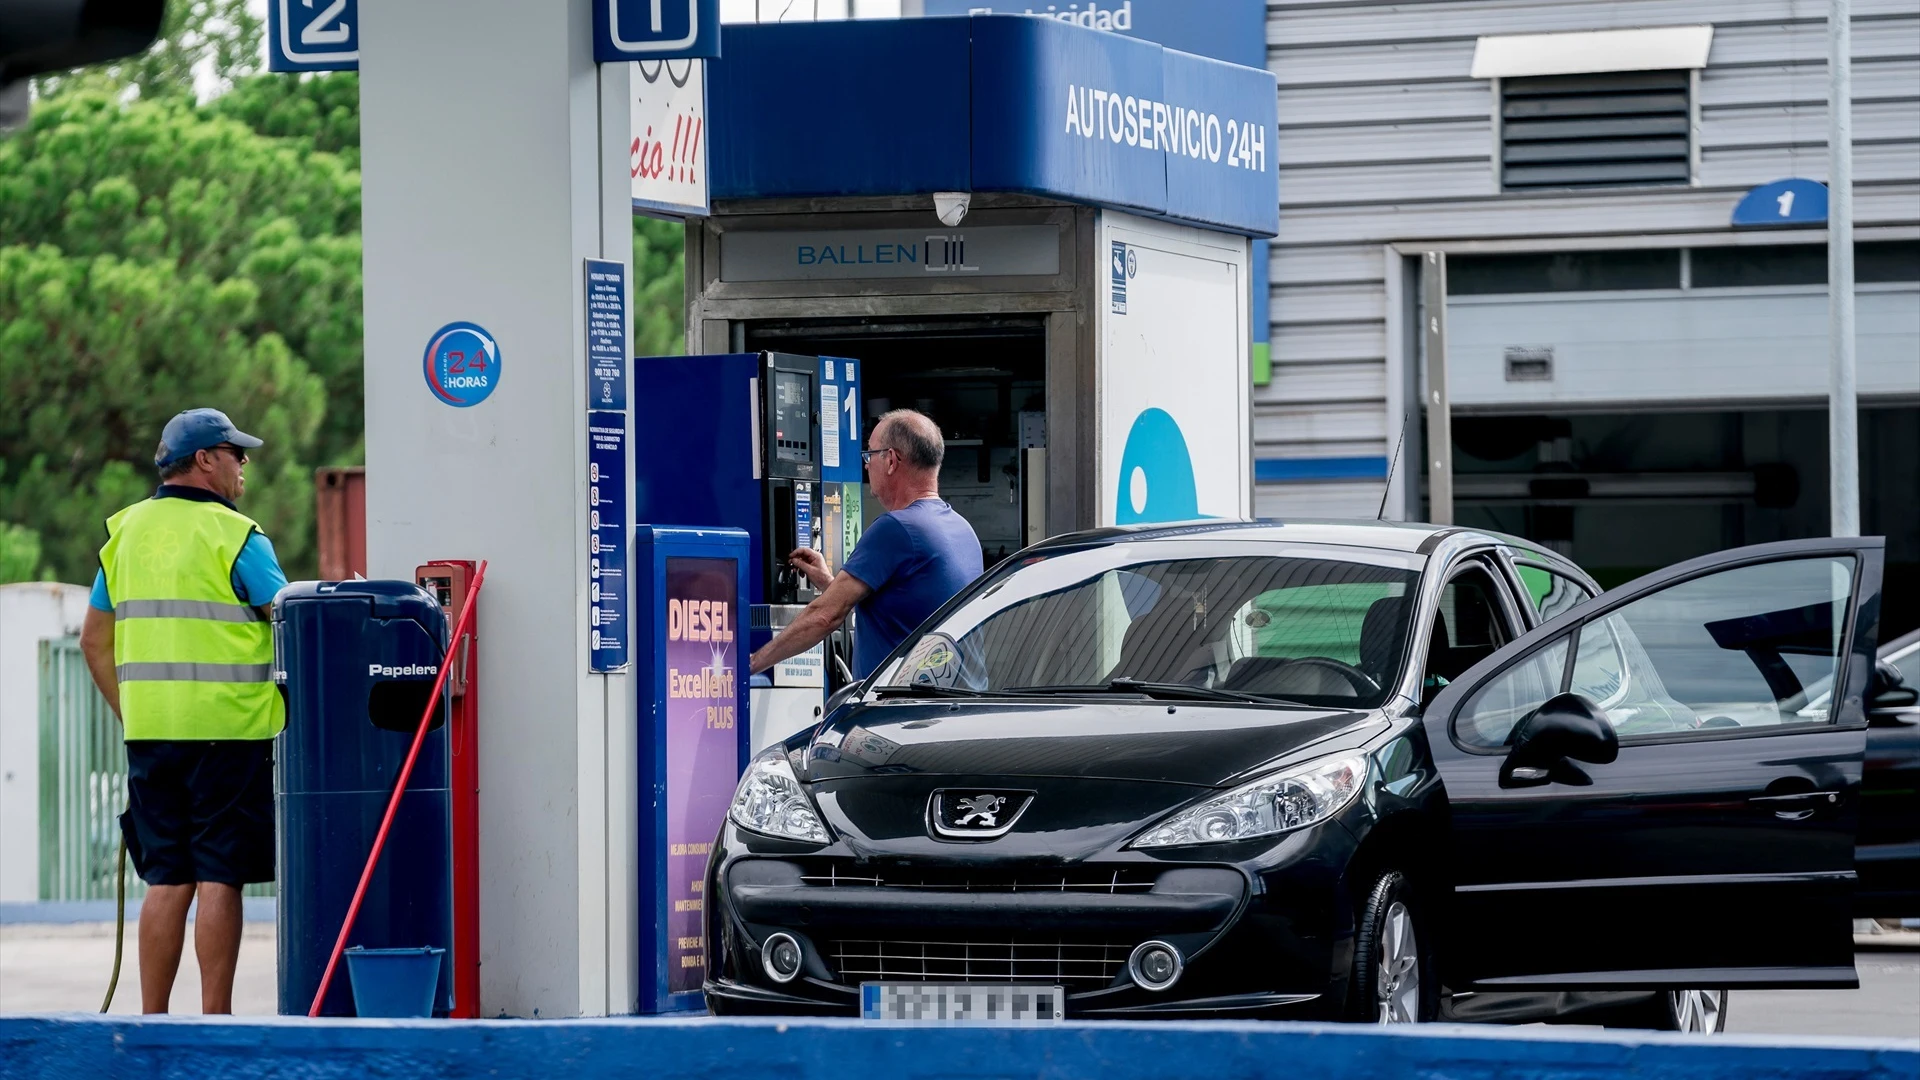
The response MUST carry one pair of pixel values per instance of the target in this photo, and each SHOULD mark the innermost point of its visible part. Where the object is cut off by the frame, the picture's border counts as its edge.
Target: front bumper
(1256, 938)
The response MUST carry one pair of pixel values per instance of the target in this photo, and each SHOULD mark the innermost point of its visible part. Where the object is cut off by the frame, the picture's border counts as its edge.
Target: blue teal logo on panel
(1156, 473)
(462, 364)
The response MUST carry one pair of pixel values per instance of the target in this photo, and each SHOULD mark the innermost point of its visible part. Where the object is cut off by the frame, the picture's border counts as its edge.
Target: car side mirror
(1565, 729)
(843, 695)
(1892, 703)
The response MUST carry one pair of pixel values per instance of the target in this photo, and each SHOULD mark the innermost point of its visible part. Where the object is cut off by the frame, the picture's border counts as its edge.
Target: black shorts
(200, 810)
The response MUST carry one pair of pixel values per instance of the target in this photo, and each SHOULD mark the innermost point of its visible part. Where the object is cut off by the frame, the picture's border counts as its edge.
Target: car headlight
(1274, 804)
(770, 800)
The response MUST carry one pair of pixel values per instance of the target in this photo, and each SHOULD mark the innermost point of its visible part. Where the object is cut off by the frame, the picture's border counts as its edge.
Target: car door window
(1748, 647)
(1550, 591)
(1494, 710)
(1740, 648)
(1469, 626)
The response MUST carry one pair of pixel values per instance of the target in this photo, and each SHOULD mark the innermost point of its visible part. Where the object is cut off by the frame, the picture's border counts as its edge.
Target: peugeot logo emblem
(972, 814)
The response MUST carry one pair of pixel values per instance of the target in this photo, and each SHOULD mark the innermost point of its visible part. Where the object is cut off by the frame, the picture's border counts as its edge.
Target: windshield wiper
(924, 690)
(1161, 690)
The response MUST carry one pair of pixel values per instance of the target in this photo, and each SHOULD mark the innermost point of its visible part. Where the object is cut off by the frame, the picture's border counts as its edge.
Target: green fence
(83, 782)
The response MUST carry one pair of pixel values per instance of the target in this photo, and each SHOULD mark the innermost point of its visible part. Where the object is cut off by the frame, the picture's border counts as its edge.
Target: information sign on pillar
(655, 30)
(607, 570)
(313, 35)
(606, 335)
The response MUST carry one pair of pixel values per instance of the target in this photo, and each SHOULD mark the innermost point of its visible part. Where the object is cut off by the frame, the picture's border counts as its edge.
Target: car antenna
(1392, 465)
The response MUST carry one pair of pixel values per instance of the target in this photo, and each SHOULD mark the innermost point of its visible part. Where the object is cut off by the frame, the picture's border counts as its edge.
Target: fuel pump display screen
(792, 417)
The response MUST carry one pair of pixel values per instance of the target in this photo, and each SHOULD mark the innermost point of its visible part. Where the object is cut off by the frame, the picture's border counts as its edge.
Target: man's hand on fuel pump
(813, 565)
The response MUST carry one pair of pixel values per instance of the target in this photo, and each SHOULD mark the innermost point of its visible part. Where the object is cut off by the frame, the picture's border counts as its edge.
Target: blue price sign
(313, 35)
(607, 540)
(462, 364)
(606, 334)
(655, 30)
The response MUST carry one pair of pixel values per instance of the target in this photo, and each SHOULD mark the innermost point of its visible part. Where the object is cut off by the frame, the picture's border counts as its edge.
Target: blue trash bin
(394, 982)
(358, 660)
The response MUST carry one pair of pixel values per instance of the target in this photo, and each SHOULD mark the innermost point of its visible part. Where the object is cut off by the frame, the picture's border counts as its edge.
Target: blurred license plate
(962, 1003)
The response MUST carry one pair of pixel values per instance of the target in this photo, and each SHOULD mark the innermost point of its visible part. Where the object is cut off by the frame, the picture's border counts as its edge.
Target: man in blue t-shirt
(907, 563)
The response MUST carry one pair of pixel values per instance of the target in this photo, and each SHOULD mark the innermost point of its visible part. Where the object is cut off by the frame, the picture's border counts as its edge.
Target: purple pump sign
(703, 747)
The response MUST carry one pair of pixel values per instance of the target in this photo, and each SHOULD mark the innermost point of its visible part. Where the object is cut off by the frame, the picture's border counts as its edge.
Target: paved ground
(64, 968)
(59, 968)
(1887, 1003)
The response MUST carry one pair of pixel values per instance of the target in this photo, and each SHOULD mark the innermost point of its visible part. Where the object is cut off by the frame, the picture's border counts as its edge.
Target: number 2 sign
(313, 35)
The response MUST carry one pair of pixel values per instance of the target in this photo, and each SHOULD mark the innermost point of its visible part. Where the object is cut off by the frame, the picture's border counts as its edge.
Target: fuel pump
(763, 442)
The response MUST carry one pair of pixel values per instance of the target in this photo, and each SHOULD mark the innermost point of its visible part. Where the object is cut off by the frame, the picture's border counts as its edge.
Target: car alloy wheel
(1397, 986)
(1392, 983)
(1703, 1012)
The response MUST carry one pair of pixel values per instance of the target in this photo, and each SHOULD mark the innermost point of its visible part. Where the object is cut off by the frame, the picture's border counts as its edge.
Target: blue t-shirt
(256, 575)
(914, 559)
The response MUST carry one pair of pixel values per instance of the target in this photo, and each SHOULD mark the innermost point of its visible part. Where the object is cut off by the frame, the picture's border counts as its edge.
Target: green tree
(659, 277)
(320, 111)
(19, 554)
(220, 36)
(161, 258)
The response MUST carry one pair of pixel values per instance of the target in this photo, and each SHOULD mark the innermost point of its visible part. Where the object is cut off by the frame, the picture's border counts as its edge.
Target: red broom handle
(399, 789)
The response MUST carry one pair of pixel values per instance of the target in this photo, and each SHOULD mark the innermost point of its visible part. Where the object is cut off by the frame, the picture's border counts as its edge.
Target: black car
(1364, 771)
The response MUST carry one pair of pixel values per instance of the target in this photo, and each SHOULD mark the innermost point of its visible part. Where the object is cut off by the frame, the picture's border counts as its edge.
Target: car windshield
(1319, 630)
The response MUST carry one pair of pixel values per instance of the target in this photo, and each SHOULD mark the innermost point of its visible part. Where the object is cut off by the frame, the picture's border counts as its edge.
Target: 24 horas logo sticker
(462, 364)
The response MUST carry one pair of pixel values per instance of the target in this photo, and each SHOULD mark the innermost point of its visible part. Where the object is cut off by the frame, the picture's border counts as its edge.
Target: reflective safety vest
(194, 661)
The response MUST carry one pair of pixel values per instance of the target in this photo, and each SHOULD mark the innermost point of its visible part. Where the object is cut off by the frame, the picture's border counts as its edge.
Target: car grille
(839, 873)
(1076, 965)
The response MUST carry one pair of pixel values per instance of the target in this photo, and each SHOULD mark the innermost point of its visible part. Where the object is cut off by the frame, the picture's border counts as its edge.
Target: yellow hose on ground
(119, 922)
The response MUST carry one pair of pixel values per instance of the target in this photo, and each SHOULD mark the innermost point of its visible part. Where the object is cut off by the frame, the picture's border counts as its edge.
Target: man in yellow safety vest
(179, 640)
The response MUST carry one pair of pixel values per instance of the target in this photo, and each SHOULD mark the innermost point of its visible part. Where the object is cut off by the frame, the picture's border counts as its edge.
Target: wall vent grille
(1618, 129)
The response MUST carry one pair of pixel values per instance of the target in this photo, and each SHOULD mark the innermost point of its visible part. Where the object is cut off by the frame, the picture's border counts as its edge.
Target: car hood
(1194, 744)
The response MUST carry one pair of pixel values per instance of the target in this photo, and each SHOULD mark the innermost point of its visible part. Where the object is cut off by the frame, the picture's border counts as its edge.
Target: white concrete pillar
(493, 161)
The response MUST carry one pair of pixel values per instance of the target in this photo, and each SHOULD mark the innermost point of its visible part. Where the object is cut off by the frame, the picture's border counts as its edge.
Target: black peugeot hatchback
(1366, 771)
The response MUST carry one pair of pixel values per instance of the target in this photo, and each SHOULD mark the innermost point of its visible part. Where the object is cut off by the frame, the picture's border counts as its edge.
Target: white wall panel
(1700, 345)
(1385, 143)
(1293, 264)
(1323, 185)
(1330, 341)
(1341, 301)
(1296, 428)
(1806, 125)
(1344, 381)
(1320, 500)
(1774, 84)
(1464, 99)
(1339, 24)
(1741, 168)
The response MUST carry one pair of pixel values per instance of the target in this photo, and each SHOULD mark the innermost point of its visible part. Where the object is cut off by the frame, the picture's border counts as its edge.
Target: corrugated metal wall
(1384, 138)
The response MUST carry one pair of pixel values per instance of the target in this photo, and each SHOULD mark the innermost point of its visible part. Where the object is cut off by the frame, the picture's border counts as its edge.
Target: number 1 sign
(313, 35)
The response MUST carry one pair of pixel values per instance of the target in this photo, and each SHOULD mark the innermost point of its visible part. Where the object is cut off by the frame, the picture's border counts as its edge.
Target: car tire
(1700, 1012)
(1393, 979)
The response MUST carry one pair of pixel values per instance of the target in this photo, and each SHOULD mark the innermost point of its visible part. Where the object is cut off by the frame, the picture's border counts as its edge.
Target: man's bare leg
(163, 933)
(216, 942)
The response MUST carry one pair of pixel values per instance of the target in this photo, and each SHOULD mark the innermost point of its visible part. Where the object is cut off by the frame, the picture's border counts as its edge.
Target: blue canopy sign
(1793, 201)
(313, 35)
(655, 30)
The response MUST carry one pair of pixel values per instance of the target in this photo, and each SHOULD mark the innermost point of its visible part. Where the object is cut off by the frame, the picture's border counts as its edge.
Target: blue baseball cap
(196, 430)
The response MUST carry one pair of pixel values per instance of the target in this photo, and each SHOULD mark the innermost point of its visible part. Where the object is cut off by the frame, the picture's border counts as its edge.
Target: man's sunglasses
(239, 453)
(867, 456)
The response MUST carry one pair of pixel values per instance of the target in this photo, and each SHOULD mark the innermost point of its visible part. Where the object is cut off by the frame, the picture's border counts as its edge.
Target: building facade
(1632, 379)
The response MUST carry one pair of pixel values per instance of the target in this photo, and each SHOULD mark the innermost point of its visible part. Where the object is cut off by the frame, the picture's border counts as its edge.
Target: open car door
(1657, 789)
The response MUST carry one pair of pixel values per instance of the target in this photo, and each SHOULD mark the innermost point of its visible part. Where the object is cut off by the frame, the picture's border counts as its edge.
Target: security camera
(951, 206)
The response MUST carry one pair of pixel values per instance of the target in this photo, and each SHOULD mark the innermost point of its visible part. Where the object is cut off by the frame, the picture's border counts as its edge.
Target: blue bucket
(394, 982)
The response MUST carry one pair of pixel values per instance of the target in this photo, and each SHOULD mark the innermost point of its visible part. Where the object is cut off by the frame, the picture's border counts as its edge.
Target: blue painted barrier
(292, 1048)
